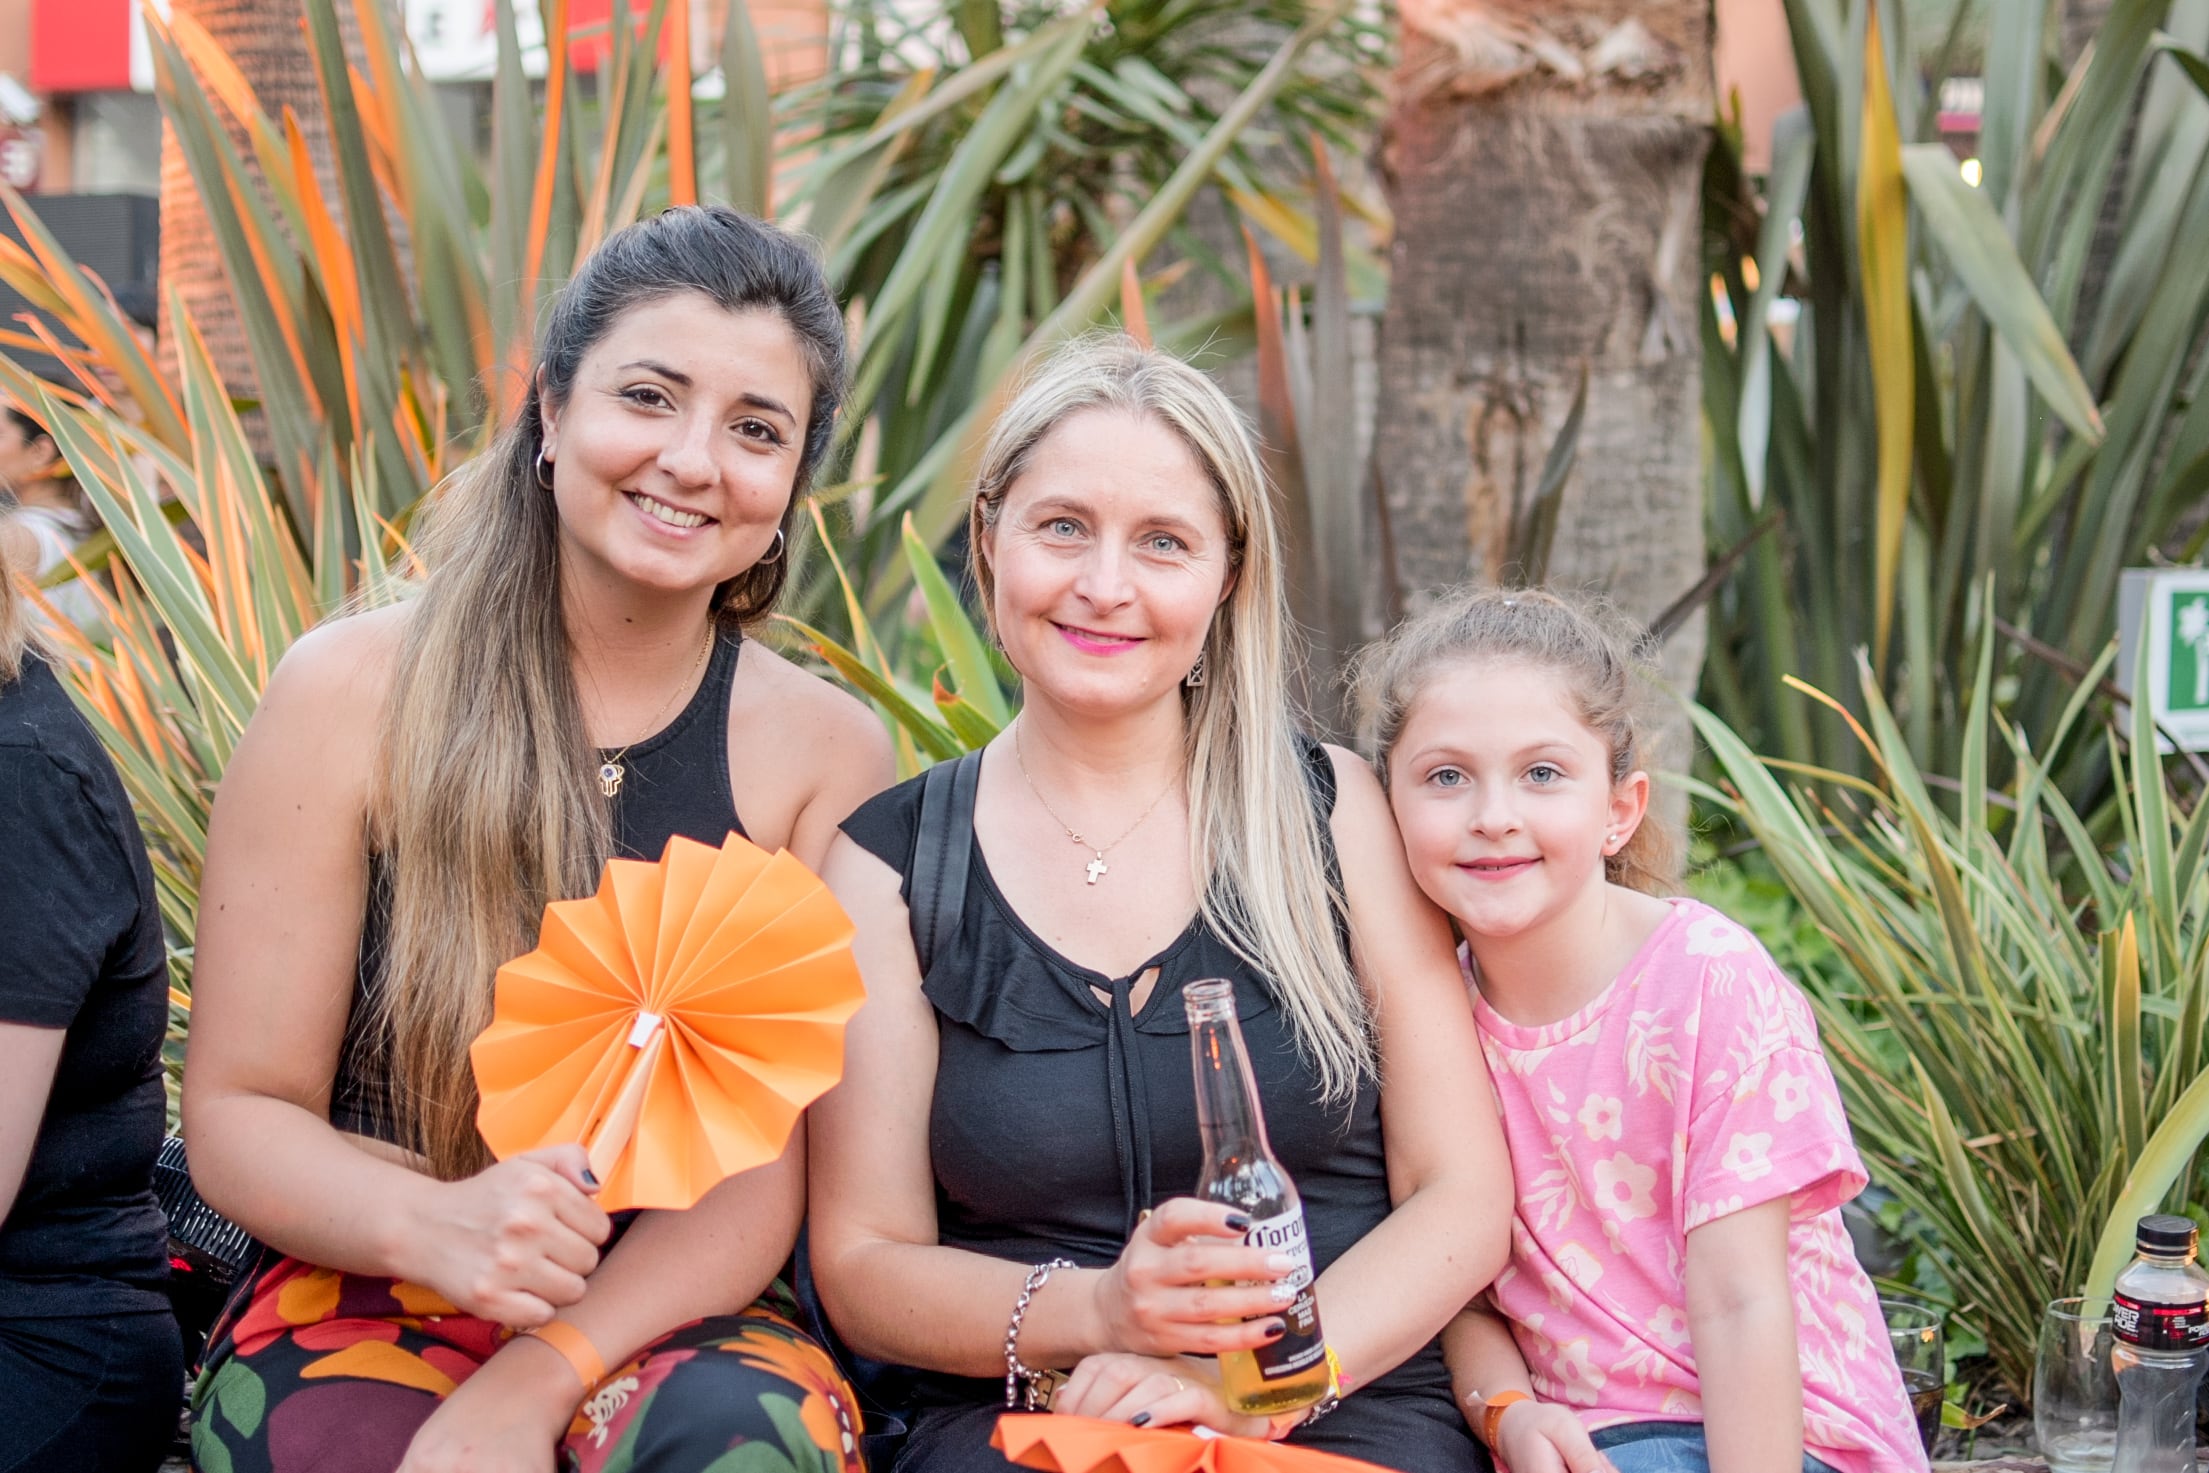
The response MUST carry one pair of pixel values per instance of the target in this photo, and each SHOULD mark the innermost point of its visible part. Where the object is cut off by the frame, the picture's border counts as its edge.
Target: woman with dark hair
(418, 782)
(88, 1349)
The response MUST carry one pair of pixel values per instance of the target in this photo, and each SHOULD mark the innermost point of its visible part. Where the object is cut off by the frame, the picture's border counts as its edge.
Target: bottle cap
(2165, 1234)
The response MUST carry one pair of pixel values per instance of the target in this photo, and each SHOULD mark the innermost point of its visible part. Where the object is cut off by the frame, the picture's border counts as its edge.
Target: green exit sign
(2169, 609)
(2186, 650)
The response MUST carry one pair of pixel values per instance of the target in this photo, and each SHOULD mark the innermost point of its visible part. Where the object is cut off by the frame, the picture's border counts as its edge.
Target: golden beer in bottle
(1240, 1171)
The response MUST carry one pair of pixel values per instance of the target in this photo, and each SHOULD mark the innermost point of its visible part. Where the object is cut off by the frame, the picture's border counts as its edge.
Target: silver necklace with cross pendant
(1096, 869)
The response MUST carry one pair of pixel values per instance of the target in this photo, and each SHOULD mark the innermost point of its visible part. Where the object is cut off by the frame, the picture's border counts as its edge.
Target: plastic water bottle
(2161, 1318)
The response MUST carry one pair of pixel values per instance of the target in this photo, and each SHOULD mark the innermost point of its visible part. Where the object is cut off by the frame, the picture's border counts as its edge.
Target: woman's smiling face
(676, 451)
(1111, 554)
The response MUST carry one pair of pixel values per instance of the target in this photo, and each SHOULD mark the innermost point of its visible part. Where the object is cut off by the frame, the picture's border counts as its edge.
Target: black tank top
(676, 782)
(1057, 1120)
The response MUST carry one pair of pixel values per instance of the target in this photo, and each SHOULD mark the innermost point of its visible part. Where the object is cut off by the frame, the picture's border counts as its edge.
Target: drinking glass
(1914, 1330)
(2074, 1391)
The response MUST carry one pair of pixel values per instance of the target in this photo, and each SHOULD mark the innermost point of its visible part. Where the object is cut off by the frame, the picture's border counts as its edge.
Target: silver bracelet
(1020, 1382)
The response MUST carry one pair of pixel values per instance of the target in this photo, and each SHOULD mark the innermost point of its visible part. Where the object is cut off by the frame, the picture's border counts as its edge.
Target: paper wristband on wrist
(575, 1348)
(1491, 1414)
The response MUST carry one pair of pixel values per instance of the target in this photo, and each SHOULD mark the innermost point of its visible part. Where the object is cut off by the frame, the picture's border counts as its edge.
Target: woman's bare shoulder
(819, 726)
(352, 655)
(803, 754)
(798, 692)
(1358, 792)
(325, 701)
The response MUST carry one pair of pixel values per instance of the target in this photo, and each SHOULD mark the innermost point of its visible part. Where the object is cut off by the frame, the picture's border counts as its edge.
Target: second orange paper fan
(1057, 1444)
(676, 1023)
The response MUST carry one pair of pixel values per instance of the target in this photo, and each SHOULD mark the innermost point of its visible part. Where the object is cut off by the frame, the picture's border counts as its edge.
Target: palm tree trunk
(1544, 164)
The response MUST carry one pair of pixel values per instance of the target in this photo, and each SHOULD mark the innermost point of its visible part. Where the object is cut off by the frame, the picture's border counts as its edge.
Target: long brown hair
(1585, 642)
(1253, 832)
(484, 808)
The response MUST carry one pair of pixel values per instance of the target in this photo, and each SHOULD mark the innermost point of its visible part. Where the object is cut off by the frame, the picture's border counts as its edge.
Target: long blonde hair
(1584, 642)
(16, 634)
(484, 806)
(1254, 837)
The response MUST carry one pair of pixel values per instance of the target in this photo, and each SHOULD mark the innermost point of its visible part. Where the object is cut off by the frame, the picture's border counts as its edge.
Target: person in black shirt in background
(90, 1360)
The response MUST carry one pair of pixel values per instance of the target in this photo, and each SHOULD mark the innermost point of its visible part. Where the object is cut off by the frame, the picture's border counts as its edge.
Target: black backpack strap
(941, 850)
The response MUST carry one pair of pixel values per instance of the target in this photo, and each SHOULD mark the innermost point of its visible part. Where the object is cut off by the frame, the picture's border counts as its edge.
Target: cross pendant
(1096, 868)
(610, 775)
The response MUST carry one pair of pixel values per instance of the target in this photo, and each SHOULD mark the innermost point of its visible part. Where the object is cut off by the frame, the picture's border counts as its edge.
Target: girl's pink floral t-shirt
(1691, 1088)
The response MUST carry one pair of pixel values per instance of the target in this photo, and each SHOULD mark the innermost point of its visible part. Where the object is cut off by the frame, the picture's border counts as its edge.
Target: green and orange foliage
(1920, 376)
(1015, 196)
(2017, 1012)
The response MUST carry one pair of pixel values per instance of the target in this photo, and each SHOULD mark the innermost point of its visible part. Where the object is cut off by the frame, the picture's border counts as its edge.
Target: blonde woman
(416, 784)
(89, 1352)
(1015, 1137)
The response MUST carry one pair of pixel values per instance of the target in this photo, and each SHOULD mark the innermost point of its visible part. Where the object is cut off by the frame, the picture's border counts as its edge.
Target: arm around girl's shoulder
(1448, 1171)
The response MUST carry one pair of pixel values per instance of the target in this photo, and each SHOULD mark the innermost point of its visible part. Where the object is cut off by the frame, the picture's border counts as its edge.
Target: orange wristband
(575, 1348)
(1491, 1414)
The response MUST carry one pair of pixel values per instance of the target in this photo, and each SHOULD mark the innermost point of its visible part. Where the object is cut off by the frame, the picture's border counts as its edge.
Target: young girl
(1681, 1294)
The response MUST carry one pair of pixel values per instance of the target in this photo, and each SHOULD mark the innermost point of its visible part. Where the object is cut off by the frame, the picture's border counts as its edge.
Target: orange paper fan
(1085, 1445)
(676, 1023)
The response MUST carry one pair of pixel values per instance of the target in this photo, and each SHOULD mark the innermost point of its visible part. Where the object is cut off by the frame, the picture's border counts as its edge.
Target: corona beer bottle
(1240, 1171)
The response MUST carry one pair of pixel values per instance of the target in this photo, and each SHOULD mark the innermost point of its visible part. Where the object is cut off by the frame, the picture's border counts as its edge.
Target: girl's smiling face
(1504, 797)
(676, 450)
(1110, 554)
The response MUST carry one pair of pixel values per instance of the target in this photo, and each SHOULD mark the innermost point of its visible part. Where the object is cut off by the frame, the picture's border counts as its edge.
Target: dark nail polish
(1140, 1419)
(590, 1178)
(1238, 1222)
(1275, 1329)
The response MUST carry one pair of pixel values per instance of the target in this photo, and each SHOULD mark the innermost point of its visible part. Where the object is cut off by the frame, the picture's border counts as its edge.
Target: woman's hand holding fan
(513, 1243)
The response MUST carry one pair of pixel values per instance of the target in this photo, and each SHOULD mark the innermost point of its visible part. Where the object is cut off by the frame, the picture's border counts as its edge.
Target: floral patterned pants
(316, 1371)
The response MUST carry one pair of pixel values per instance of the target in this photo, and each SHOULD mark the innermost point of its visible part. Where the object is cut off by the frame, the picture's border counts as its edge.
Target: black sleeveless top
(676, 782)
(1058, 1120)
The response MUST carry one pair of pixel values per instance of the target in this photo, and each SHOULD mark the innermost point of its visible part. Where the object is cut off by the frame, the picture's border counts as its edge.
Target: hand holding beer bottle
(1292, 1370)
(1185, 1289)
(1188, 1284)
(1226, 1274)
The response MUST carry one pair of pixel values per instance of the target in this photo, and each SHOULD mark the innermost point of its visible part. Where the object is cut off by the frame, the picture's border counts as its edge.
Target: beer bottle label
(1303, 1346)
(2156, 1326)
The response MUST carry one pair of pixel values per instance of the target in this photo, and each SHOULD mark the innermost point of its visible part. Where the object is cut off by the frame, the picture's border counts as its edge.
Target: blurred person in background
(43, 514)
(90, 1358)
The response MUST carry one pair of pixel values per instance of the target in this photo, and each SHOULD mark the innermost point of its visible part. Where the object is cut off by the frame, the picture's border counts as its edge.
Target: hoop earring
(544, 471)
(1196, 675)
(780, 544)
